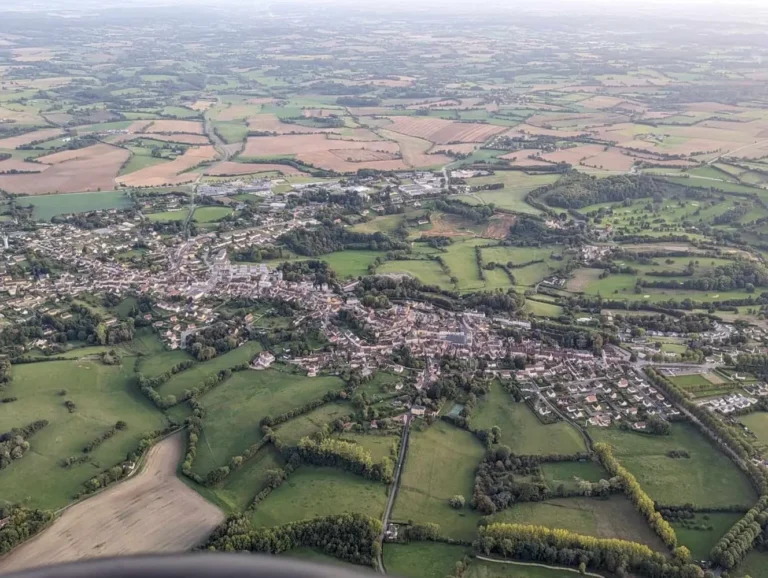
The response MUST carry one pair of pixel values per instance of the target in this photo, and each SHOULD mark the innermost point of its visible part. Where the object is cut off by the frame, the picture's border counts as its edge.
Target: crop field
(517, 185)
(312, 492)
(701, 542)
(520, 428)
(174, 172)
(385, 224)
(93, 168)
(615, 517)
(235, 408)
(29, 137)
(102, 396)
(422, 559)
(707, 479)
(152, 512)
(200, 371)
(159, 363)
(441, 131)
(696, 379)
(48, 206)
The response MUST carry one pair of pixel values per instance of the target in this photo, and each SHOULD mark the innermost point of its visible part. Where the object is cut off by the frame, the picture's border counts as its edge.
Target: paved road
(395, 486)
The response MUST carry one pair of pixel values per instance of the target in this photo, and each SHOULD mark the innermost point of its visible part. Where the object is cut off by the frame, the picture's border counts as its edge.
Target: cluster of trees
(20, 524)
(474, 213)
(753, 363)
(14, 444)
(576, 190)
(566, 336)
(737, 275)
(359, 327)
(320, 272)
(256, 254)
(496, 486)
(328, 238)
(558, 546)
(686, 323)
(275, 479)
(528, 231)
(111, 432)
(211, 341)
(351, 457)
(740, 539)
(640, 499)
(349, 537)
(5, 371)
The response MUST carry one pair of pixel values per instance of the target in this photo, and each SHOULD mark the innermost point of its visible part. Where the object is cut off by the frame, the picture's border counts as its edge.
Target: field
(708, 478)
(235, 408)
(312, 492)
(441, 131)
(422, 559)
(238, 490)
(93, 168)
(48, 206)
(292, 431)
(173, 172)
(175, 215)
(198, 373)
(701, 542)
(520, 428)
(152, 512)
(210, 214)
(102, 395)
(517, 184)
(615, 517)
(757, 423)
(231, 169)
(484, 569)
(754, 566)
(570, 473)
(440, 464)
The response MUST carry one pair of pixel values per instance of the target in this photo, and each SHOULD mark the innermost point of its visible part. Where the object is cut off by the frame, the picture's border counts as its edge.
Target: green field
(543, 309)
(517, 185)
(755, 566)
(757, 422)
(708, 478)
(242, 485)
(159, 363)
(440, 464)
(615, 517)
(570, 473)
(428, 272)
(103, 395)
(198, 373)
(141, 158)
(484, 569)
(305, 425)
(210, 214)
(312, 492)
(380, 446)
(49, 206)
(235, 408)
(231, 131)
(384, 224)
(693, 380)
(423, 559)
(177, 215)
(318, 557)
(520, 428)
(701, 542)
(531, 274)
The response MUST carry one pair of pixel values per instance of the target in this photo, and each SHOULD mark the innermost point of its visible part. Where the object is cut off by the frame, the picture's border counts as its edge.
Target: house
(264, 360)
(418, 410)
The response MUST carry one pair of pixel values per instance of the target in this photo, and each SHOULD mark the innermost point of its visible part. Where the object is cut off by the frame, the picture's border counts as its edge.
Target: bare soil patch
(362, 156)
(202, 105)
(89, 169)
(611, 160)
(191, 139)
(270, 123)
(152, 512)
(498, 226)
(19, 165)
(573, 156)
(581, 279)
(25, 139)
(174, 126)
(522, 158)
(170, 173)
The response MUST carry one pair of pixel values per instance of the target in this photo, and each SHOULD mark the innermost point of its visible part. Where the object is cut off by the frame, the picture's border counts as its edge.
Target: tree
(457, 502)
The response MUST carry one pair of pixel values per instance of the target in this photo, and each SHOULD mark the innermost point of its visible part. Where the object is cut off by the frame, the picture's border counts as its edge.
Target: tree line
(111, 432)
(563, 547)
(351, 457)
(635, 492)
(20, 524)
(14, 443)
(732, 548)
(349, 537)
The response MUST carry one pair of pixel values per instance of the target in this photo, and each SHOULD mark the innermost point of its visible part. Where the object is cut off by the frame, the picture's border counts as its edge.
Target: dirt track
(151, 512)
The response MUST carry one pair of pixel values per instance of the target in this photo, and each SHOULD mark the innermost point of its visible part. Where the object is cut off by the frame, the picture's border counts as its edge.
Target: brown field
(170, 173)
(173, 126)
(25, 139)
(498, 226)
(611, 160)
(581, 279)
(368, 110)
(138, 126)
(520, 158)
(437, 104)
(19, 165)
(232, 169)
(574, 155)
(299, 144)
(90, 169)
(414, 150)
(321, 112)
(460, 148)
(32, 54)
(202, 105)
(362, 134)
(151, 512)
(441, 131)
(398, 82)
(261, 100)
(362, 156)
(445, 225)
(20, 116)
(601, 102)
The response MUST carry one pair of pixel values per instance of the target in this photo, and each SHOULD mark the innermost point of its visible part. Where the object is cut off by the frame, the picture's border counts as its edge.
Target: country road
(393, 490)
(516, 563)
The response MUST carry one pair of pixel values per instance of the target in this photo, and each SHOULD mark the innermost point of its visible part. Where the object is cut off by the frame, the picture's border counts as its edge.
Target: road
(516, 563)
(393, 489)
(754, 144)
